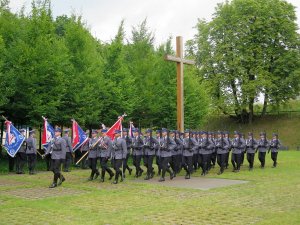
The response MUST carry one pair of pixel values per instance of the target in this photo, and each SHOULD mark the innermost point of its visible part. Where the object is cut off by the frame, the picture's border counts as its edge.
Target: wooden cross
(180, 97)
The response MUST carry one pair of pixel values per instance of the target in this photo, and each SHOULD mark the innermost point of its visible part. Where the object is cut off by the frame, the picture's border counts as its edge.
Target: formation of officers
(171, 150)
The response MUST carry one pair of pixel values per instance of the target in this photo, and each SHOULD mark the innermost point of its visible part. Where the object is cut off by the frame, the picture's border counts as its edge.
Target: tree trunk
(264, 110)
(237, 109)
(251, 110)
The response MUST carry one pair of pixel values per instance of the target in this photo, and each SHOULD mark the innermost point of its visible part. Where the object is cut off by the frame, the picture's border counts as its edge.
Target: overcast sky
(165, 17)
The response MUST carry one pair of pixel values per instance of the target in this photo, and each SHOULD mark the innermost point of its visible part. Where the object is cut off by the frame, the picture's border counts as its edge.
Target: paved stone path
(201, 183)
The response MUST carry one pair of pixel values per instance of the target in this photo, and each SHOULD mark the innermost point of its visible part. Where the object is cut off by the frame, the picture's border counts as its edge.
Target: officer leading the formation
(56, 148)
(274, 146)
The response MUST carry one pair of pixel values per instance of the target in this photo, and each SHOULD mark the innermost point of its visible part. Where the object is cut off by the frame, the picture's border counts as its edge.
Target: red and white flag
(117, 126)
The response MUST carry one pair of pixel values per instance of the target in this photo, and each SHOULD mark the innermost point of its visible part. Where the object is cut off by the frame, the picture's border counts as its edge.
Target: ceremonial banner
(131, 127)
(48, 134)
(79, 136)
(117, 126)
(14, 139)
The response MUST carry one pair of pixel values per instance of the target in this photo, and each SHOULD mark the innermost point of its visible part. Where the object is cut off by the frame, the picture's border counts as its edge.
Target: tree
(250, 48)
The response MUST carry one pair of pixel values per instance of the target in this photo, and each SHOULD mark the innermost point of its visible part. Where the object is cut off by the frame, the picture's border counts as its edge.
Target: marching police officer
(274, 146)
(31, 152)
(188, 154)
(105, 146)
(238, 146)
(83, 149)
(21, 155)
(129, 146)
(93, 155)
(222, 146)
(251, 145)
(244, 150)
(137, 146)
(195, 151)
(167, 144)
(213, 155)
(149, 150)
(56, 148)
(119, 152)
(226, 136)
(206, 146)
(157, 151)
(262, 147)
(69, 151)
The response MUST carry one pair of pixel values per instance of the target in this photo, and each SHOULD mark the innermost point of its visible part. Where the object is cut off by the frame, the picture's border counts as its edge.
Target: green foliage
(54, 67)
(250, 48)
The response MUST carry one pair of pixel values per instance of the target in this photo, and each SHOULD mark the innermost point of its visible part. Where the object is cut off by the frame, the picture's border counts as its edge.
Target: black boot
(61, 180)
(111, 175)
(96, 175)
(53, 185)
(187, 176)
(161, 179)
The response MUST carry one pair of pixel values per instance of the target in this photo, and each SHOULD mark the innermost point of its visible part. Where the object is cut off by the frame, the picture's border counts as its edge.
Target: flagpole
(4, 118)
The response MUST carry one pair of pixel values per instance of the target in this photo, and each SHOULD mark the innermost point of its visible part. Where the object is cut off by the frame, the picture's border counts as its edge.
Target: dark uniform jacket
(119, 150)
(274, 145)
(31, 145)
(222, 145)
(206, 146)
(251, 145)
(238, 145)
(94, 149)
(69, 147)
(262, 145)
(188, 146)
(149, 145)
(167, 145)
(105, 147)
(137, 145)
(56, 147)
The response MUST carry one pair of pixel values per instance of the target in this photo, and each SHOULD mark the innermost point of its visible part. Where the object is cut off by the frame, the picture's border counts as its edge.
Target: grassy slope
(288, 127)
(271, 197)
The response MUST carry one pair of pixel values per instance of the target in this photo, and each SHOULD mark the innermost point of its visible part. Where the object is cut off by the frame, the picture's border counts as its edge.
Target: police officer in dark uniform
(149, 150)
(129, 146)
(178, 157)
(238, 146)
(213, 156)
(206, 146)
(31, 152)
(195, 151)
(119, 152)
(251, 145)
(221, 147)
(188, 154)
(69, 151)
(21, 155)
(105, 151)
(244, 150)
(137, 146)
(226, 136)
(157, 151)
(167, 144)
(83, 149)
(274, 147)
(93, 155)
(262, 147)
(56, 147)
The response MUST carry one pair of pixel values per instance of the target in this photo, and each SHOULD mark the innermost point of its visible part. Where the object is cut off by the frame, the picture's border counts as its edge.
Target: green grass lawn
(272, 196)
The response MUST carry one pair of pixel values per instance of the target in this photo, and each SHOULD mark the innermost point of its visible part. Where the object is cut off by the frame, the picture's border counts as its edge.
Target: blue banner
(14, 139)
